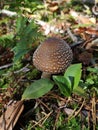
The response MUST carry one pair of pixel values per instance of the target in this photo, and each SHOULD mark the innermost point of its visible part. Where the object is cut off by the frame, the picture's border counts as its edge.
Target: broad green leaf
(74, 72)
(38, 89)
(63, 84)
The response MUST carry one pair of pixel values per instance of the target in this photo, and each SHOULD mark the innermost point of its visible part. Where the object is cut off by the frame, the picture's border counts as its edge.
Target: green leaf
(63, 84)
(74, 74)
(78, 90)
(90, 81)
(38, 89)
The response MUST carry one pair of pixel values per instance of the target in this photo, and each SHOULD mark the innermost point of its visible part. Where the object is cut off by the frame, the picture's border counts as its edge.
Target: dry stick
(56, 96)
(73, 37)
(36, 123)
(24, 69)
(6, 66)
(57, 116)
(97, 111)
(41, 120)
(94, 110)
(43, 104)
(89, 120)
(4, 120)
(75, 113)
(47, 115)
(8, 13)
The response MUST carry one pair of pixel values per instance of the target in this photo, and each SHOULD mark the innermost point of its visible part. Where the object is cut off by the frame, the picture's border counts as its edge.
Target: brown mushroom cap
(53, 56)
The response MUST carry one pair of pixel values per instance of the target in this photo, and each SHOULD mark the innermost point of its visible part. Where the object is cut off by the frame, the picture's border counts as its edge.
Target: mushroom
(53, 56)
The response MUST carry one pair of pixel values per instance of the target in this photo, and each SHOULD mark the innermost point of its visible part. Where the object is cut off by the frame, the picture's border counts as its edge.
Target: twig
(94, 111)
(39, 101)
(8, 13)
(53, 95)
(46, 115)
(3, 121)
(42, 120)
(6, 66)
(24, 69)
(57, 116)
(75, 113)
(73, 37)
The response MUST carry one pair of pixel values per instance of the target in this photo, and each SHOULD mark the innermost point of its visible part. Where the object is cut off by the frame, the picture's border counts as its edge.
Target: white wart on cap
(53, 56)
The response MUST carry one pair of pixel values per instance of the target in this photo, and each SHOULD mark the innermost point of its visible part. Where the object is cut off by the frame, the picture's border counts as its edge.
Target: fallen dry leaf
(81, 19)
(11, 115)
(87, 30)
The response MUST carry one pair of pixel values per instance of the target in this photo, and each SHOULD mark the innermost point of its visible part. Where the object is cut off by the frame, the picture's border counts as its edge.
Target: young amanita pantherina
(53, 56)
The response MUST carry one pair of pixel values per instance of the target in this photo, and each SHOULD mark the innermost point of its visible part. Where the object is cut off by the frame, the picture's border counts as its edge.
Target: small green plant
(72, 124)
(68, 83)
(91, 86)
(29, 126)
(38, 89)
(92, 79)
(26, 34)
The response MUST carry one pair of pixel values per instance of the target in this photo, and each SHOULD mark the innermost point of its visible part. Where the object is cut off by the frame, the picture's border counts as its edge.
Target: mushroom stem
(45, 75)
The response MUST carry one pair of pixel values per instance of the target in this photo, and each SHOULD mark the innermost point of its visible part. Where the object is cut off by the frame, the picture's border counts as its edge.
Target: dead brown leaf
(11, 115)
